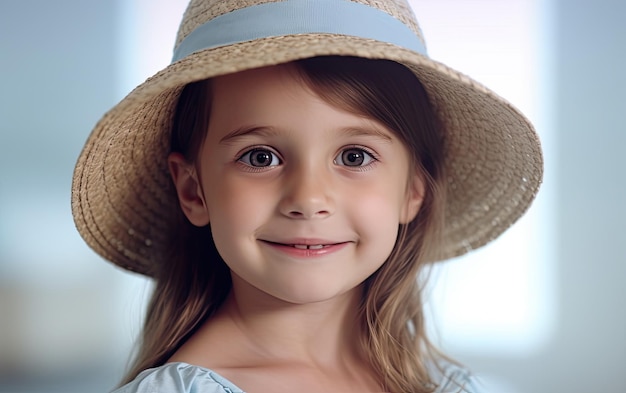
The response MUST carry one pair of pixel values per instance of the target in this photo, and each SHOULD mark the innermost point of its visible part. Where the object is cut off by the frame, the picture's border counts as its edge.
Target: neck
(322, 332)
(265, 336)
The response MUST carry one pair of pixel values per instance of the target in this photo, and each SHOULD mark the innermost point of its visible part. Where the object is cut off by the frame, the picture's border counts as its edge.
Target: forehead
(259, 91)
(261, 94)
(257, 81)
(280, 97)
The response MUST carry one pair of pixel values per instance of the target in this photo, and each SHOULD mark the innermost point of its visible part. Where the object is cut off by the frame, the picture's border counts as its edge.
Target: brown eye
(353, 157)
(260, 158)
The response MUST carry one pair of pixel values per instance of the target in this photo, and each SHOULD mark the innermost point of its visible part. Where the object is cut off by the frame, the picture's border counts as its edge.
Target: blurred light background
(538, 311)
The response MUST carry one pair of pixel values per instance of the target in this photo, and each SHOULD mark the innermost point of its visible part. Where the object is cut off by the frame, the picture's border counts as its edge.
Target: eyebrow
(367, 131)
(242, 131)
(269, 131)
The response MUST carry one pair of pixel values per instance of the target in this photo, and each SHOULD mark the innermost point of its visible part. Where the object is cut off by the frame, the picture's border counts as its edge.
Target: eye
(353, 157)
(260, 158)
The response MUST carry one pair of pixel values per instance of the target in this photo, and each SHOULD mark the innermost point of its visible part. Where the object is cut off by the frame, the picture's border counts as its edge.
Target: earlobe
(188, 189)
(414, 199)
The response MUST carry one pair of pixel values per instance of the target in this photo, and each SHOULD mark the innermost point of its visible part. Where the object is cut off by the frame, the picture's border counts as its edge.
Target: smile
(309, 247)
(306, 248)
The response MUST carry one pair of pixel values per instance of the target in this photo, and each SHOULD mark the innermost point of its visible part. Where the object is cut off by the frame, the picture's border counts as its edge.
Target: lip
(306, 248)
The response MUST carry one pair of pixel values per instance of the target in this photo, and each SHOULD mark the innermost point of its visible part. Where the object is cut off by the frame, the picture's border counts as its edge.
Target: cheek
(377, 214)
(383, 200)
(233, 217)
(235, 205)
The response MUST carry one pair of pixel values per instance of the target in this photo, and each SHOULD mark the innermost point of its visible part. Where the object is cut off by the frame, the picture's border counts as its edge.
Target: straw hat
(122, 196)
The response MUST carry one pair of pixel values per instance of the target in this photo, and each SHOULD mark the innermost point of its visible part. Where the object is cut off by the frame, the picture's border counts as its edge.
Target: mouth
(305, 245)
(308, 247)
(302, 246)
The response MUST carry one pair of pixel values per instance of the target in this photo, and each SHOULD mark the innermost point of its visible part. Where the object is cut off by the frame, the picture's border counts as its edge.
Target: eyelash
(373, 158)
(246, 158)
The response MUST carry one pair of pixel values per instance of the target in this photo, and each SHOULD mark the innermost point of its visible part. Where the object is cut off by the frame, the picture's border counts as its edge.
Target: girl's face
(304, 199)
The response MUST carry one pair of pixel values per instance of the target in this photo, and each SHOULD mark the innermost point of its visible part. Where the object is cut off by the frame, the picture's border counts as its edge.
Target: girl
(284, 181)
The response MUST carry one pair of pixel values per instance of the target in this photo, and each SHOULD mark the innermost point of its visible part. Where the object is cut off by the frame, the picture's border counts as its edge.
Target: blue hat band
(299, 17)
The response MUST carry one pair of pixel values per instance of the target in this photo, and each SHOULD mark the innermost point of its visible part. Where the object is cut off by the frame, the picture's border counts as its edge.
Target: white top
(187, 378)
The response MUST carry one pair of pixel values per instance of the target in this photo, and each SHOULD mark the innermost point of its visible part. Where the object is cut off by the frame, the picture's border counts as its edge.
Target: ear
(189, 190)
(414, 199)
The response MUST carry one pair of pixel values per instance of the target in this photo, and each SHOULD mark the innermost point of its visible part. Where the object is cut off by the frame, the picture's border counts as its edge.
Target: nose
(308, 194)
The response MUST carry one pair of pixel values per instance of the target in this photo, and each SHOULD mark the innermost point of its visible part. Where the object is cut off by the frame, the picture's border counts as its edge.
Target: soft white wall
(497, 43)
(581, 83)
(57, 300)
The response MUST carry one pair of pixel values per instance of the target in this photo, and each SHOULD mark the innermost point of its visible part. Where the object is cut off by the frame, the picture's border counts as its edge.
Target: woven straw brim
(122, 195)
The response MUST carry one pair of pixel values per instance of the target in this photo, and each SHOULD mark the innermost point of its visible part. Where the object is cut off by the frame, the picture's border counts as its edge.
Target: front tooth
(316, 247)
(300, 246)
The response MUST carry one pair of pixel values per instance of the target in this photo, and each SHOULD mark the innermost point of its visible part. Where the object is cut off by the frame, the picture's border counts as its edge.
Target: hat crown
(200, 12)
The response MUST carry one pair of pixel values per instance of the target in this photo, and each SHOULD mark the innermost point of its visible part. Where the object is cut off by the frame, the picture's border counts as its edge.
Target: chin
(312, 294)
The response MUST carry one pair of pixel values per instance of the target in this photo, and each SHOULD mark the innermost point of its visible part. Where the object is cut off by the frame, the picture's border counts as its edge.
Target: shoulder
(178, 378)
(452, 378)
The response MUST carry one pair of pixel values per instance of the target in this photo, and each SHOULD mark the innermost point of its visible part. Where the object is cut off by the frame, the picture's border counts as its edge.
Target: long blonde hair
(195, 281)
